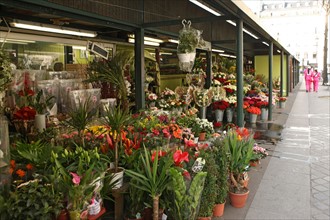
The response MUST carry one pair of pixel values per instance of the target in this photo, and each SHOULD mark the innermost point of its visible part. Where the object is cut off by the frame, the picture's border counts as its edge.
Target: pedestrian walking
(316, 78)
(308, 72)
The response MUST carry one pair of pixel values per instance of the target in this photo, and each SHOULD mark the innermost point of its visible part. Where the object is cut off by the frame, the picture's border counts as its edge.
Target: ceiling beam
(193, 20)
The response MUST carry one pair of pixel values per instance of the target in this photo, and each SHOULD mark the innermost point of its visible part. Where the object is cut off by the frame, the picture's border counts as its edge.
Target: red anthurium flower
(180, 157)
(186, 175)
(75, 178)
(189, 143)
(160, 154)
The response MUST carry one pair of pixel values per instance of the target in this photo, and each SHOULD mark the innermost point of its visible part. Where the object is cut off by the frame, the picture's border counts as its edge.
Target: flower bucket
(202, 112)
(282, 104)
(218, 115)
(40, 122)
(253, 118)
(24, 126)
(264, 114)
(229, 114)
(117, 178)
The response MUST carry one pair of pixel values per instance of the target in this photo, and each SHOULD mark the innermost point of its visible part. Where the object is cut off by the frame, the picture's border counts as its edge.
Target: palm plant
(117, 119)
(152, 178)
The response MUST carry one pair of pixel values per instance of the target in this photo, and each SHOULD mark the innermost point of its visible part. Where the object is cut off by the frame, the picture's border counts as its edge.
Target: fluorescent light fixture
(150, 43)
(51, 28)
(75, 47)
(227, 55)
(278, 51)
(219, 51)
(17, 40)
(205, 7)
(150, 39)
(265, 43)
(246, 31)
(173, 41)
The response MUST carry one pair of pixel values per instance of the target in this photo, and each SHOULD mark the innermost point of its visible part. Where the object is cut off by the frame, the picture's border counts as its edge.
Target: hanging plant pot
(186, 57)
(238, 200)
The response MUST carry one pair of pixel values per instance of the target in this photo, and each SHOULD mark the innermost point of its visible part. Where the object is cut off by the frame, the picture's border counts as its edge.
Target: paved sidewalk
(296, 183)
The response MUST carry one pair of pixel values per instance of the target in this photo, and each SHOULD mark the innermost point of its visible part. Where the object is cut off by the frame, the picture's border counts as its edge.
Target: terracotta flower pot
(204, 218)
(238, 200)
(254, 163)
(218, 209)
(202, 136)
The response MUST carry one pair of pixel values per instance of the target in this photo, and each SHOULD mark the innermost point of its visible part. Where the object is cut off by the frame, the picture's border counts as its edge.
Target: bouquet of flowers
(203, 97)
(258, 152)
(262, 104)
(222, 105)
(254, 110)
(282, 99)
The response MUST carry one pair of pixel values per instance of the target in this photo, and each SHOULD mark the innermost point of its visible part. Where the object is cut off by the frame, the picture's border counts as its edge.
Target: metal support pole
(139, 69)
(288, 74)
(208, 69)
(281, 74)
(239, 77)
(270, 81)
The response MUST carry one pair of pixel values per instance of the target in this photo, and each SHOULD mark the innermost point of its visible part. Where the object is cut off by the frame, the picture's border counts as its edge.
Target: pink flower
(189, 143)
(75, 178)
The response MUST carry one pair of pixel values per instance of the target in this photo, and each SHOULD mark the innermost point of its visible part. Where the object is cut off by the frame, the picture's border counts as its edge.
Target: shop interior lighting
(207, 8)
(51, 28)
(227, 55)
(17, 41)
(75, 47)
(246, 31)
(173, 41)
(149, 39)
(219, 51)
(150, 43)
(265, 43)
(278, 51)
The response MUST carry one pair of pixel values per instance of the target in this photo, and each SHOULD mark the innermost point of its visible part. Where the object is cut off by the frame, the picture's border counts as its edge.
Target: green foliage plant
(31, 200)
(184, 196)
(210, 192)
(221, 158)
(117, 119)
(240, 151)
(152, 178)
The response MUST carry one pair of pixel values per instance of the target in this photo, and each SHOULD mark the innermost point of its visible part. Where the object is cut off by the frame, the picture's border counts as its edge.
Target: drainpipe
(239, 77)
(139, 69)
(270, 81)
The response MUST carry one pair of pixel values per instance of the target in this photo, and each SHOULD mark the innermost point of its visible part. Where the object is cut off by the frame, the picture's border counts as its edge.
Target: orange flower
(29, 166)
(12, 163)
(20, 173)
(11, 170)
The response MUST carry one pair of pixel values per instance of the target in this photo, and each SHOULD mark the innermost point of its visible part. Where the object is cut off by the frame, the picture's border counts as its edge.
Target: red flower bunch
(282, 99)
(25, 113)
(262, 104)
(229, 91)
(179, 157)
(254, 110)
(217, 124)
(222, 105)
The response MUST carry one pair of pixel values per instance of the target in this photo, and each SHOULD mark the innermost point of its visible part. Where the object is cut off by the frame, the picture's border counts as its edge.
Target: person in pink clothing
(308, 72)
(316, 77)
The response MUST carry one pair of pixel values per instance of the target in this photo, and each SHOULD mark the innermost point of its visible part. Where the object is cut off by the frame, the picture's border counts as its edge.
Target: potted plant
(210, 192)
(202, 128)
(258, 154)
(239, 146)
(183, 194)
(117, 119)
(281, 101)
(221, 158)
(152, 177)
(34, 199)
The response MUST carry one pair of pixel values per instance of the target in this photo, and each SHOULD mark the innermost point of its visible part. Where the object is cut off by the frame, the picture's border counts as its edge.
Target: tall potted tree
(209, 193)
(239, 146)
(221, 158)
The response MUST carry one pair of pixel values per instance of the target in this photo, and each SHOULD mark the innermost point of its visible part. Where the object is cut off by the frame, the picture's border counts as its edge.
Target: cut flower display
(282, 99)
(254, 110)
